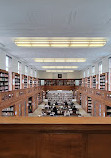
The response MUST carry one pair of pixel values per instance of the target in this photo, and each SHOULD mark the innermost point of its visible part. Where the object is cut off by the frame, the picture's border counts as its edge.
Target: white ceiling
(55, 18)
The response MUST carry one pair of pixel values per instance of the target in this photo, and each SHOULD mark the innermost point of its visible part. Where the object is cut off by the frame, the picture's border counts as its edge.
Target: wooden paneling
(83, 140)
(60, 145)
(99, 145)
(17, 145)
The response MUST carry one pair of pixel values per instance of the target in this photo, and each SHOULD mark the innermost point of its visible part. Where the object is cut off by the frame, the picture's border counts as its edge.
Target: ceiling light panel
(60, 60)
(59, 70)
(60, 42)
(59, 67)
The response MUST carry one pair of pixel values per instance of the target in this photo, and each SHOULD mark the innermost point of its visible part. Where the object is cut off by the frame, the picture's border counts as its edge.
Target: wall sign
(59, 75)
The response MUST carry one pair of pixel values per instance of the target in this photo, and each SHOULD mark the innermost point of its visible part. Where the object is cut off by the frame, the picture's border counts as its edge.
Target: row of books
(89, 103)
(8, 111)
(62, 96)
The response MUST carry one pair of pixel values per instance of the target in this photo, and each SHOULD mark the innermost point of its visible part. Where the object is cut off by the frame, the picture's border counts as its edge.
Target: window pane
(26, 70)
(84, 74)
(19, 67)
(35, 74)
(31, 72)
(8, 62)
(93, 70)
(100, 68)
(88, 73)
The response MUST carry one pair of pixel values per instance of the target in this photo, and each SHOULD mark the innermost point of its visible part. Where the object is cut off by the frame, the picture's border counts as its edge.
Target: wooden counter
(55, 120)
(55, 137)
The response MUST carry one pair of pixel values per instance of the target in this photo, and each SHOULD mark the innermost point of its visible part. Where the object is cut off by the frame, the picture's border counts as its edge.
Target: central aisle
(38, 111)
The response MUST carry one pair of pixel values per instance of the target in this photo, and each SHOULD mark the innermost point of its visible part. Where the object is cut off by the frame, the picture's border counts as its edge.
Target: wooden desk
(55, 137)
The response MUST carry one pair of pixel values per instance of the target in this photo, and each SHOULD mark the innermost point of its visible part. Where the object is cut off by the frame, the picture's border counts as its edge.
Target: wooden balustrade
(58, 87)
(11, 97)
(101, 96)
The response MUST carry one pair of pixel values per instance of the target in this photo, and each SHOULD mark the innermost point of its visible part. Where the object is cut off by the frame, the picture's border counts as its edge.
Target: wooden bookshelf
(10, 111)
(25, 82)
(102, 81)
(59, 82)
(30, 105)
(89, 105)
(108, 111)
(4, 81)
(59, 96)
(16, 81)
(30, 82)
(88, 82)
(34, 82)
(94, 82)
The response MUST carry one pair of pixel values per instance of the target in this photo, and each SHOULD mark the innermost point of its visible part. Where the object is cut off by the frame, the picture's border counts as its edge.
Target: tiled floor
(37, 112)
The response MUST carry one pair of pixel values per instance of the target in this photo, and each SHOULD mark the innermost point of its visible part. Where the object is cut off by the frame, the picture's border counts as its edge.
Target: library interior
(55, 79)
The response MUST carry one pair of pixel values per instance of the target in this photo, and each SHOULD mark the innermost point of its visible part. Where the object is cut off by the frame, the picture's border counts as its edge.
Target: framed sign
(59, 75)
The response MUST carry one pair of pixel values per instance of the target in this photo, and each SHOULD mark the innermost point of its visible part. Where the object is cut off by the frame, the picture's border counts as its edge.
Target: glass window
(19, 67)
(26, 70)
(8, 62)
(100, 68)
(88, 72)
(93, 70)
(84, 74)
(35, 74)
(31, 72)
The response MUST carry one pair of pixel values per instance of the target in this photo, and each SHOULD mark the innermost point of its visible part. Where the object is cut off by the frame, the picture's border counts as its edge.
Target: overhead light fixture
(60, 67)
(67, 42)
(59, 71)
(59, 60)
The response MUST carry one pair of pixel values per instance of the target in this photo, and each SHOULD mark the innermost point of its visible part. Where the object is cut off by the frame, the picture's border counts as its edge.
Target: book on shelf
(4, 85)
(89, 104)
(8, 111)
(60, 97)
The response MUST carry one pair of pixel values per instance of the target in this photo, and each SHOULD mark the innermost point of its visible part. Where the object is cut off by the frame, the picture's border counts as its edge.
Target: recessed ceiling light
(59, 59)
(60, 67)
(60, 42)
(59, 70)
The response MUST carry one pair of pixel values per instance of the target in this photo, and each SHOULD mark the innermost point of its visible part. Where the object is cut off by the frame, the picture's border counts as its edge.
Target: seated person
(65, 103)
(55, 110)
(46, 106)
(74, 110)
(56, 103)
(66, 113)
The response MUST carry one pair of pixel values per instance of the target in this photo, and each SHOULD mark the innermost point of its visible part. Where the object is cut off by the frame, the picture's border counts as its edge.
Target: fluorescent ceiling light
(32, 45)
(59, 71)
(60, 42)
(59, 59)
(60, 67)
(60, 45)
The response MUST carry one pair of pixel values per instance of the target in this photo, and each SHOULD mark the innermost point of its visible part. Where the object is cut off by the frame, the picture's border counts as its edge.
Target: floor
(37, 112)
